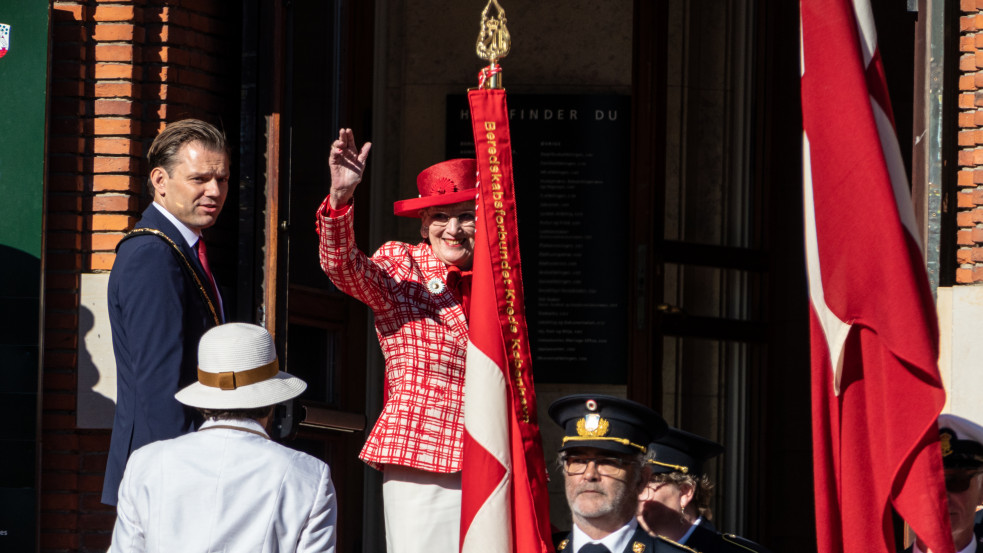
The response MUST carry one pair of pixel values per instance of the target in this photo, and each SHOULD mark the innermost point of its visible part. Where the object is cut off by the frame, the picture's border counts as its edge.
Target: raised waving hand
(346, 163)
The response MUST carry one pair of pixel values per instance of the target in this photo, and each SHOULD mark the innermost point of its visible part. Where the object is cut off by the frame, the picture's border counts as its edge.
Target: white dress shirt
(225, 490)
(191, 238)
(692, 528)
(616, 541)
(971, 548)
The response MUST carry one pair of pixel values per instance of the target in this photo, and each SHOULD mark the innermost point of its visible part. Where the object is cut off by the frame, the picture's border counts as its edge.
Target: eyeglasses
(440, 219)
(605, 466)
(958, 481)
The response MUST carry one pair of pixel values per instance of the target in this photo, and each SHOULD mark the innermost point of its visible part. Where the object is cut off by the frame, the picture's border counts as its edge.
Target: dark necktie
(594, 548)
(203, 257)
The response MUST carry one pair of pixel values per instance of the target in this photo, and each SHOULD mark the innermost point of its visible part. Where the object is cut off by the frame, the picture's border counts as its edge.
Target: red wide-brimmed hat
(445, 183)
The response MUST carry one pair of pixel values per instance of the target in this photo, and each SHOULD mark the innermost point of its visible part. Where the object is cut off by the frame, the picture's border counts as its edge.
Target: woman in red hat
(419, 295)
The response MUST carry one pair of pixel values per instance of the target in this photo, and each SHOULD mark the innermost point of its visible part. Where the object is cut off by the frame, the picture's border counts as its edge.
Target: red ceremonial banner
(505, 505)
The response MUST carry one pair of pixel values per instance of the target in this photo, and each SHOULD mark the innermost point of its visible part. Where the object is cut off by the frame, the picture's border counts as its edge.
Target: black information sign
(571, 156)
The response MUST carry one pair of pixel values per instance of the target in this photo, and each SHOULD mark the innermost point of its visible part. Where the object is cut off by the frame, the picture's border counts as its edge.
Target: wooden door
(308, 85)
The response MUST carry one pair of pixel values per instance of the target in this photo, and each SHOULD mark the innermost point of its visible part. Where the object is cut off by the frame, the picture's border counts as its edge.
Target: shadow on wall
(96, 363)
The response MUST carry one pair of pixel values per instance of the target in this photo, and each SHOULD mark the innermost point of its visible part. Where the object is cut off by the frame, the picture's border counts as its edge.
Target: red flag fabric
(504, 501)
(876, 389)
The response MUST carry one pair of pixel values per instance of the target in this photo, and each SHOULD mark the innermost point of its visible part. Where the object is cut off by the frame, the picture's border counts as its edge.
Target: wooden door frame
(648, 170)
(263, 276)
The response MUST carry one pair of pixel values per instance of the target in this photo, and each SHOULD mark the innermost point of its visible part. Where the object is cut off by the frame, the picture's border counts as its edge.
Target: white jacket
(224, 490)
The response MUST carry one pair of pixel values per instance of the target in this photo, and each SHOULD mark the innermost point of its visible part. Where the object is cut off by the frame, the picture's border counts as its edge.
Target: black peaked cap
(681, 451)
(605, 422)
(962, 442)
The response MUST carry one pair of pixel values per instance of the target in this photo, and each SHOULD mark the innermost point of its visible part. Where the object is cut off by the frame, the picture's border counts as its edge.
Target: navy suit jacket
(157, 316)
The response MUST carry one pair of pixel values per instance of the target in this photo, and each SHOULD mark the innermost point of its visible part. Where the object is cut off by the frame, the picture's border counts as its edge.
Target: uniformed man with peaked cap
(604, 441)
(676, 501)
(962, 459)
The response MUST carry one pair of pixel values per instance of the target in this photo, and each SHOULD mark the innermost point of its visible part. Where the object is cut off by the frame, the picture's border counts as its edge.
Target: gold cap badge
(945, 439)
(592, 426)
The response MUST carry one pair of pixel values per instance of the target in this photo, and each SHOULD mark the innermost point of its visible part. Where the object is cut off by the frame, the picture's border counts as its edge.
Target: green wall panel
(23, 125)
(23, 85)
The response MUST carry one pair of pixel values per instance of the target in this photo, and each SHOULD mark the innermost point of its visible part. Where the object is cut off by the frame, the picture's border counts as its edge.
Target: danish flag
(876, 388)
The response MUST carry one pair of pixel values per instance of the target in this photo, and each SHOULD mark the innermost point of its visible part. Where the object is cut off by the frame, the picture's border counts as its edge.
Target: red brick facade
(120, 70)
(969, 214)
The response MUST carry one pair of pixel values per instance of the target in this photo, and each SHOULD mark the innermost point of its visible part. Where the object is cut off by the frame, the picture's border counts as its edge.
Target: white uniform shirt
(971, 548)
(224, 490)
(615, 541)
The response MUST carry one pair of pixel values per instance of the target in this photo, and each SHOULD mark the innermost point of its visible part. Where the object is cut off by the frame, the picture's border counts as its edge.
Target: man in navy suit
(162, 295)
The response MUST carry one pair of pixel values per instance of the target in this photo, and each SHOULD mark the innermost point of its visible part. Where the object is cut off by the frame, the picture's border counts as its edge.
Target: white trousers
(423, 510)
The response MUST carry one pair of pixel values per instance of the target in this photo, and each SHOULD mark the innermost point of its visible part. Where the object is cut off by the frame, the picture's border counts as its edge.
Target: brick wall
(120, 70)
(969, 214)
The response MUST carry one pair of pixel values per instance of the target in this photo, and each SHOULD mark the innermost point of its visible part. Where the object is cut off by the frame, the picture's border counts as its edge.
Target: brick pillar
(120, 70)
(969, 206)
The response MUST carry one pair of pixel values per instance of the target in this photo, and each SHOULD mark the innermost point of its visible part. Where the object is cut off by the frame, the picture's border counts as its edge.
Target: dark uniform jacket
(641, 542)
(157, 316)
(706, 539)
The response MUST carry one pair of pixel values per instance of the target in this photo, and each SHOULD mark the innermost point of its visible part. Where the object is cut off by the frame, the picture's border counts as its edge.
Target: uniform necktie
(594, 548)
(203, 257)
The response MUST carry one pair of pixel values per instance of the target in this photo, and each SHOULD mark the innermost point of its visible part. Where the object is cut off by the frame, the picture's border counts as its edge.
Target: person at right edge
(601, 455)
(962, 460)
(676, 502)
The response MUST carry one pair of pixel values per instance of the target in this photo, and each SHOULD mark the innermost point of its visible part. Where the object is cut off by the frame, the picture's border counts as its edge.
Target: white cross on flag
(4, 39)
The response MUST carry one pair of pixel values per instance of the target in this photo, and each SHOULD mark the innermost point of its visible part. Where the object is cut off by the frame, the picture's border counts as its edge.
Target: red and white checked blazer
(423, 332)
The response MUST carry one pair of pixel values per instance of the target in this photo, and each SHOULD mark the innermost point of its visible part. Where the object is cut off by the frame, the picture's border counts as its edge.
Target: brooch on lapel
(436, 286)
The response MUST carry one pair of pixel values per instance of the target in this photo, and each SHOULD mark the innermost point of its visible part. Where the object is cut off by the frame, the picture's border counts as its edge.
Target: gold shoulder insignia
(677, 544)
(945, 439)
(731, 539)
(563, 545)
(592, 426)
(638, 547)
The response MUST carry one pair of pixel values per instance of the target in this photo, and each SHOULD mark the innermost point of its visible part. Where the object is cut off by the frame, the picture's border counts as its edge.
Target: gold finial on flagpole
(493, 44)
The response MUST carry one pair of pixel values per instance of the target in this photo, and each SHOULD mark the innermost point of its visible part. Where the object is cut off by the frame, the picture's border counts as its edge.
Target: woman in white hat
(419, 295)
(228, 487)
